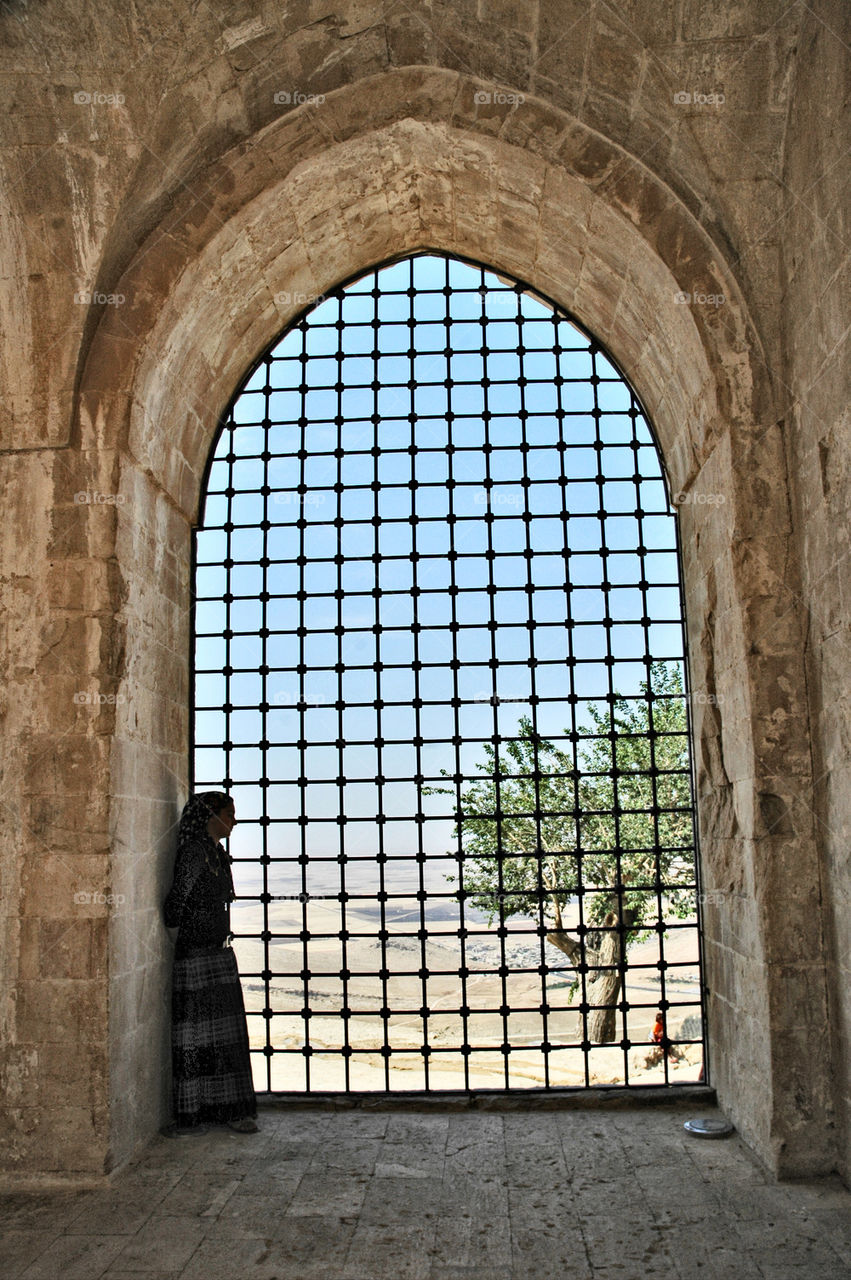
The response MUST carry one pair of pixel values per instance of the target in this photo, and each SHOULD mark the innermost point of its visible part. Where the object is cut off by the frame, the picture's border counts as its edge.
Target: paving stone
(115, 1212)
(816, 1259)
(831, 1269)
(75, 1257)
(25, 1211)
(491, 1244)
(543, 1251)
(475, 1157)
(618, 1240)
(483, 1202)
(401, 1200)
(710, 1254)
(162, 1243)
(402, 1251)
(353, 1162)
(400, 1165)
(755, 1201)
(111, 1274)
(471, 1273)
(495, 1210)
(774, 1232)
(269, 1181)
(234, 1258)
(248, 1217)
(546, 1204)
(453, 1242)
(674, 1194)
(622, 1199)
(310, 1244)
(147, 1180)
(834, 1227)
(328, 1195)
(419, 1129)
(200, 1194)
(19, 1248)
(304, 1127)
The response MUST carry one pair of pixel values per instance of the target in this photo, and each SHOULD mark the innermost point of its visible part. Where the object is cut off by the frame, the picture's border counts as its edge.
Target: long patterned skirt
(211, 1066)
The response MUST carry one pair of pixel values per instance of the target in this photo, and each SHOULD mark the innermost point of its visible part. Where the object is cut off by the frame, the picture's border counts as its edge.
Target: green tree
(535, 830)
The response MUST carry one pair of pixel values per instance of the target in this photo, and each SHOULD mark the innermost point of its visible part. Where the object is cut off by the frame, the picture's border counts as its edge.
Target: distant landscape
(521, 993)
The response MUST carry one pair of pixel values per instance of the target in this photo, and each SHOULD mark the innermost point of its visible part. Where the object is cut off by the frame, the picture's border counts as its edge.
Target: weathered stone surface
(590, 1194)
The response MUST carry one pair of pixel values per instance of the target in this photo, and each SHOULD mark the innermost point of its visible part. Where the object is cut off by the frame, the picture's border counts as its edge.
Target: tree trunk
(604, 989)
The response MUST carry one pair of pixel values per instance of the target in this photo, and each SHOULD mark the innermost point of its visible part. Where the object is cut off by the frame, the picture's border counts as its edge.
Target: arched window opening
(440, 665)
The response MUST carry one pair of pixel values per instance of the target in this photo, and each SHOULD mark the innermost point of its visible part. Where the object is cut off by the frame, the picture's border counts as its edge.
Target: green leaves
(611, 816)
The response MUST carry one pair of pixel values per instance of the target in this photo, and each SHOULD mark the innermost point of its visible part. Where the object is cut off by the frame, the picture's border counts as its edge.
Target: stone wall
(175, 183)
(817, 285)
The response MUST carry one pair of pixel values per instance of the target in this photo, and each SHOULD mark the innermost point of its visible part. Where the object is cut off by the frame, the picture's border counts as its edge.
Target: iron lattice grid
(435, 505)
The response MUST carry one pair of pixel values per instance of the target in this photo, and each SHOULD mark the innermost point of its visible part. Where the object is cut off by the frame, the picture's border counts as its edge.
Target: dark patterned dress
(211, 1066)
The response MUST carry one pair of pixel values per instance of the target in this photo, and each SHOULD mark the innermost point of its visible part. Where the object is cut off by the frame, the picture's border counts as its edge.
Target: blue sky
(529, 453)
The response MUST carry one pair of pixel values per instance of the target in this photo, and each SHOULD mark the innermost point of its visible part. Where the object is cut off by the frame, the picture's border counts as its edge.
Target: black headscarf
(192, 829)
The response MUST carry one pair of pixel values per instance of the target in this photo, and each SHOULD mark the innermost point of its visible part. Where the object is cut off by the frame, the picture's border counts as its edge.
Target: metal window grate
(439, 663)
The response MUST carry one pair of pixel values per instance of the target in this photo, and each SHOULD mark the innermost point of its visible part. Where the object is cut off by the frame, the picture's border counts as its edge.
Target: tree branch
(571, 948)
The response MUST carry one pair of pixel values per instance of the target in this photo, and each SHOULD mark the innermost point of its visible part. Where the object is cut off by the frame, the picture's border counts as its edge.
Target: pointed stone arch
(270, 226)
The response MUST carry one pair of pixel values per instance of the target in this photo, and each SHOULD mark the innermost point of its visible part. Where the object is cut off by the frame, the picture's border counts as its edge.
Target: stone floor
(430, 1195)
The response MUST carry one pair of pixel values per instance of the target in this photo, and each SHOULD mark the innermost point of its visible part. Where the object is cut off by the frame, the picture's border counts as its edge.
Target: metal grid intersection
(439, 664)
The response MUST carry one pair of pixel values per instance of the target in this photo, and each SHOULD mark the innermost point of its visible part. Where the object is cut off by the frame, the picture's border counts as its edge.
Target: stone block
(563, 37)
(411, 39)
(71, 949)
(78, 1078)
(62, 886)
(617, 58)
(74, 767)
(703, 23)
(59, 1011)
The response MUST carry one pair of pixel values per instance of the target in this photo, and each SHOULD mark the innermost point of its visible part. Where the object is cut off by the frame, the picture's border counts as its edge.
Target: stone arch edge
(607, 182)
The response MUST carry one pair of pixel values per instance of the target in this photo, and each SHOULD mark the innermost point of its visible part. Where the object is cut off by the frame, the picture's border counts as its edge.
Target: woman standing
(211, 1066)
